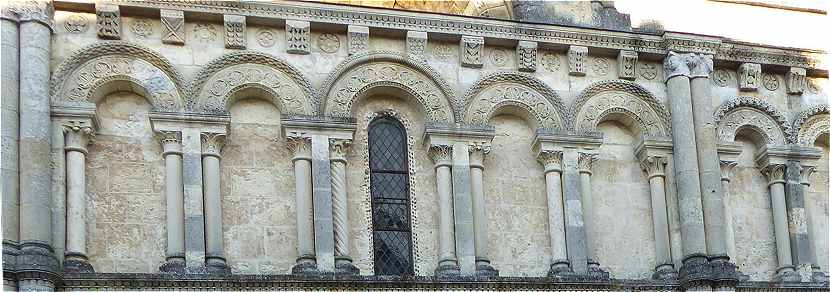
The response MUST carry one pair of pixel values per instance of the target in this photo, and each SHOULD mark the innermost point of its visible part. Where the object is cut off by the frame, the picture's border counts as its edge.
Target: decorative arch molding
(604, 98)
(360, 73)
(809, 124)
(218, 81)
(749, 112)
(495, 90)
(83, 74)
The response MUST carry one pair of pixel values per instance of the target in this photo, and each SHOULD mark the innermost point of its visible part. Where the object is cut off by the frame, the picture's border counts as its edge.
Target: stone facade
(168, 145)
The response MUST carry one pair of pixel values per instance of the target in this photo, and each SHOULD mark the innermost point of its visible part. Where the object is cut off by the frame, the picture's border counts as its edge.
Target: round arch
(360, 73)
(217, 82)
(746, 112)
(809, 124)
(611, 98)
(494, 91)
(106, 66)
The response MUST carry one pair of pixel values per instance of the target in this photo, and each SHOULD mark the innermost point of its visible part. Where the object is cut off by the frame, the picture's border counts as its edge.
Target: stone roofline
(726, 52)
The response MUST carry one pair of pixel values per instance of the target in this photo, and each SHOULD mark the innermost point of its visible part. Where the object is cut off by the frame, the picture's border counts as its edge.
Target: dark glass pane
(390, 198)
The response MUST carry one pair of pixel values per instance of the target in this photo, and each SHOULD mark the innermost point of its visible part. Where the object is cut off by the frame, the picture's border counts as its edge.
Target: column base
(786, 274)
(723, 272)
(173, 265)
(216, 265)
(598, 274)
(306, 265)
(343, 266)
(560, 268)
(665, 272)
(820, 277)
(10, 252)
(485, 270)
(695, 271)
(78, 263)
(447, 268)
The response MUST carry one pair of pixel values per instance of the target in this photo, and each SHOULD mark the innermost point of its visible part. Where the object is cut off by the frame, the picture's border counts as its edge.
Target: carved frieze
(795, 80)
(813, 128)
(297, 37)
(526, 56)
(109, 21)
(749, 75)
(627, 65)
(481, 108)
(764, 124)
(172, 27)
(234, 31)
(416, 43)
(804, 121)
(358, 39)
(596, 108)
(471, 51)
(282, 90)
(577, 56)
(212, 143)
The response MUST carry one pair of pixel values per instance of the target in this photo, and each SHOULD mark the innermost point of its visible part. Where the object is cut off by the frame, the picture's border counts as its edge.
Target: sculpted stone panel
(496, 90)
(751, 112)
(623, 97)
(354, 77)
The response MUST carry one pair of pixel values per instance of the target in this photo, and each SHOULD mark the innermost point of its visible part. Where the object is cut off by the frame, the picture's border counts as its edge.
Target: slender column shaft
(340, 206)
(174, 195)
(655, 167)
(477, 153)
(552, 160)
(447, 262)
(9, 109)
(797, 215)
(775, 175)
(58, 189)
(586, 161)
(212, 144)
(77, 135)
(305, 207)
(726, 171)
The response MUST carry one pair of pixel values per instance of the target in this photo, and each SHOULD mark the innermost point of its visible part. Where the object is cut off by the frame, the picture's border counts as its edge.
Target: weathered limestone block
(234, 31)
(297, 35)
(358, 39)
(576, 60)
(109, 21)
(749, 76)
(627, 65)
(471, 51)
(416, 43)
(172, 23)
(526, 56)
(796, 80)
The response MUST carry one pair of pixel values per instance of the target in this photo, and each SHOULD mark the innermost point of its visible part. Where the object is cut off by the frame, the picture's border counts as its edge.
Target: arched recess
(809, 124)
(96, 70)
(494, 91)
(218, 83)
(613, 97)
(751, 113)
(358, 74)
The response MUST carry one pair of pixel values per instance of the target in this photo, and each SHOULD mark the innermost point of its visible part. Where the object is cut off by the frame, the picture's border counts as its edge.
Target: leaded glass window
(389, 170)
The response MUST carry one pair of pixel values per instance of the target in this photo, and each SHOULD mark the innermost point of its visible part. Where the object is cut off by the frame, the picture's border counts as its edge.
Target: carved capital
(749, 76)
(471, 51)
(338, 148)
(551, 159)
(577, 56)
(297, 37)
(477, 152)
(700, 65)
(774, 173)
(77, 135)
(441, 155)
(527, 56)
(806, 172)
(172, 23)
(726, 167)
(586, 161)
(357, 39)
(627, 65)
(654, 166)
(109, 21)
(171, 142)
(416, 43)
(300, 145)
(796, 80)
(23, 11)
(212, 143)
(676, 65)
(235, 31)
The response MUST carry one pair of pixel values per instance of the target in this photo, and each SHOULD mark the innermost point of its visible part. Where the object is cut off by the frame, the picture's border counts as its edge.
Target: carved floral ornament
(620, 97)
(753, 113)
(496, 90)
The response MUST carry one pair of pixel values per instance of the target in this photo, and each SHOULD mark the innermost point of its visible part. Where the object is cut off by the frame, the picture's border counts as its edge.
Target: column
(77, 135)
(797, 220)
(10, 137)
(786, 271)
(212, 144)
(477, 153)
(655, 167)
(726, 168)
(574, 223)
(552, 161)
(818, 275)
(338, 148)
(447, 263)
(686, 171)
(171, 143)
(463, 209)
(586, 161)
(306, 261)
(322, 203)
(35, 137)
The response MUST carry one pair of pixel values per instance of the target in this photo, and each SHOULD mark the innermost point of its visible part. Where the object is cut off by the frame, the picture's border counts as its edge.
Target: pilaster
(212, 144)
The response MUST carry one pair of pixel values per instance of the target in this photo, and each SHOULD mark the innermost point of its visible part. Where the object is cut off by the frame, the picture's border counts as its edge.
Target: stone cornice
(453, 27)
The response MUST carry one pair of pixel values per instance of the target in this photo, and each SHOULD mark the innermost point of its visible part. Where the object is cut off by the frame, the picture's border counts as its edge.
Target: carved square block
(627, 63)
(416, 43)
(172, 24)
(109, 21)
(358, 39)
(749, 76)
(471, 51)
(527, 56)
(297, 37)
(576, 60)
(234, 31)
(796, 80)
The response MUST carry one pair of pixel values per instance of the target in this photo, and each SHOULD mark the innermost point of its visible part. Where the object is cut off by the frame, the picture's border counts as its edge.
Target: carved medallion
(76, 23)
(720, 77)
(442, 52)
(498, 57)
(600, 67)
(648, 71)
(205, 32)
(812, 86)
(328, 42)
(770, 82)
(550, 61)
(266, 38)
(142, 28)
